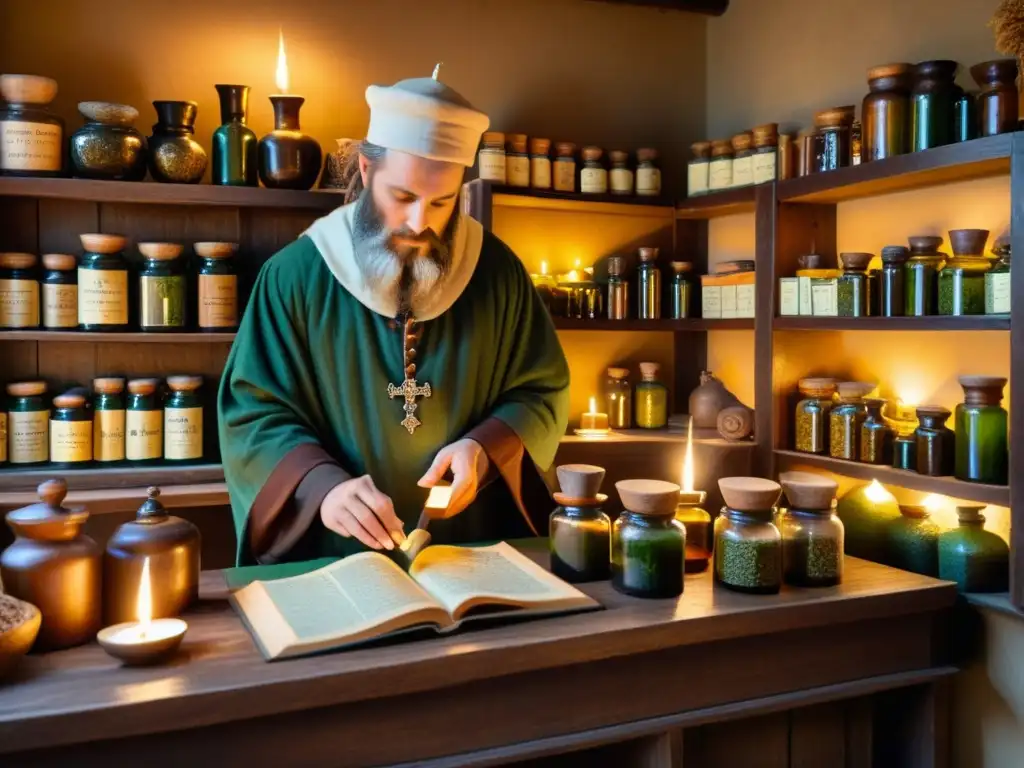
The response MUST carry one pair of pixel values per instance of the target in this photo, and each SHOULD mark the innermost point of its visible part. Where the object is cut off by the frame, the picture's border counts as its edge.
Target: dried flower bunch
(1008, 24)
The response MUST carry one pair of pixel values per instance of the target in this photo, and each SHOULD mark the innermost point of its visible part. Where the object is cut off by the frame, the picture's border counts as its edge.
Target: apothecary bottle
(766, 139)
(892, 281)
(31, 138)
(962, 278)
(853, 289)
(235, 146)
(922, 275)
(965, 115)
(748, 545)
(183, 419)
(19, 291)
(491, 157)
(648, 174)
(593, 175)
(60, 292)
(846, 419)
(565, 167)
(144, 421)
(855, 143)
(813, 413)
(936, 443)
(720, 168)
(787, 157)
(812, 534)
(976, 559)
(997, 281)
(981, 423)
(833, 137)
(743, 159)
(681, 290)
(517, 161)
(698, 169)
(999, 101)
(807, 152)
(580, 532)
(161, 288)
(618, 398)
(648, 285)
(108, 427)
(70, 431)
(620, 177)
(932, 98)
(540, 163)
(28, 423)
(218, 286)
(618, 289)
(876, 435)
(886, 112)
(102, 284)
(648, 543)
(911, 541)
(651, 399)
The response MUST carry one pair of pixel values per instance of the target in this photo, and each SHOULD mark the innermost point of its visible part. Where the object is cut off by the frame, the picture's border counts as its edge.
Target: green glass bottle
(867, 512)
(982, 450)
(103, 295)
(28, 423)
(651, 399)
(932, 104)
(183, 419)
(648, 544)
(108, 420)
(235, 161)
(913, 541)
(976, 559)
(70, 431)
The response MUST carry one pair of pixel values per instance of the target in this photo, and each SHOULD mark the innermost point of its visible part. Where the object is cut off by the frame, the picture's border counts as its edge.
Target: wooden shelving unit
(689, 324)
(711, 206)
(933, 323)
(118, 338)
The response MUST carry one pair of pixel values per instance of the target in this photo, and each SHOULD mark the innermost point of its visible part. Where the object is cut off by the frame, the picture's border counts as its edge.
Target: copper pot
(56, 567)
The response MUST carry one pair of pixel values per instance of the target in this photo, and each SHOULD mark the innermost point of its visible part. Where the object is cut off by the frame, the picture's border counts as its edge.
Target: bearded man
(393, 344)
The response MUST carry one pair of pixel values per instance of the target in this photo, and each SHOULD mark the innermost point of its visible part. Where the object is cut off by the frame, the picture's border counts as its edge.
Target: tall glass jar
(648, 285)
(962, 279)
(976, 559)
(144, 421)
(19, 291)
(620, 178)
(648, 543)
(651, 399)
(812, 414)
(886, 112)
(183, 419)
(743, 159)
(892, 281)
(580, 532)
(936, 450)
(618, 289)
(697, 522)
(218, 286)
(812, 533)
(932, 104)
(681, 290)
(28, 423)
(997, 281)
(33, 138)
(965, 115)
(902, 419)
(108, 427)
(491, 157)
(853, 290)
(846, 419)
(748, 551)
(922, 275)
(618, 399)
(875, 435)
(70, 431)
(912, 541)
(982, 445)
(103, 284)
(999, 100)
(540, 163)
(565, 167)
(593, 175)
(833, 137)
(720, 168)
(60, 292)
(766, 139)
(517, 161)
(161, 288)
(698, 170)
(648, 174)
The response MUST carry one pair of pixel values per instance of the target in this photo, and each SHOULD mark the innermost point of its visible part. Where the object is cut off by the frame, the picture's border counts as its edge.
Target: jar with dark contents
(833, 141)
(517, 161)
(856, 145)
(720, 168)
(681, 290)
(218, 286)
(28, 423)
(766, 139)
(33, 137)
(892, 282)
(885, 112)
(565, 167)
(922, 275)
(648, 174)
(807, 152)
(580, 532)
(846, 418)
(999, 100)
(540, 163)
(813, 413)
(19, 291)
(812, 534)
(593, 175)
(932, 98)
(183, 419)
(962, 278)
(103, 284)
(936, 443)
(648, 543)
(70, 431)
(965, 115)
(743, 159)
(60, 292)
(876, 436)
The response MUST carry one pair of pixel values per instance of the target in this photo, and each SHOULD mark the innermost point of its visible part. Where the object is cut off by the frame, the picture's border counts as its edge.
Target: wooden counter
(641, 678)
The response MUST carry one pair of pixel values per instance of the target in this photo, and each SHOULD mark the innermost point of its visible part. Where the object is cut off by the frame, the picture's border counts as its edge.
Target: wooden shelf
(15, 478)
(931, 323)
(619, 436)
(689, 324)
(119, 338)
(545, 200)
(945, 486)
(168, 194)
(725, 203)
(988, 156)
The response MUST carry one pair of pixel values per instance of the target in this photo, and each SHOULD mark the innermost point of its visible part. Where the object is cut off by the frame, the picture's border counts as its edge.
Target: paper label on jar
(108, 435)
(218, 301)
(720, 173)
(789, 296)
(102, 296)
(28, 146)
(997, 293)
(183, 433)
(711, 301)
(622, 181)
(162, 302)
(824, 298)
(743, 171)
(70, 441)
(28, 437)
(806, 305)
(3, 437)
(144, 435)
(19, 304)
(565, 175)
(492, 165)
(729, 302)
(744, 301)
(764, 167)
(517, 170)
(540, 172)
(648, 181)
(594, 181)
(60, 305)
(697, 179)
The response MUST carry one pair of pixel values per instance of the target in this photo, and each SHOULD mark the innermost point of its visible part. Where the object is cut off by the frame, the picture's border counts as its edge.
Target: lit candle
(545, 285)
(593, 422)
(688, 511)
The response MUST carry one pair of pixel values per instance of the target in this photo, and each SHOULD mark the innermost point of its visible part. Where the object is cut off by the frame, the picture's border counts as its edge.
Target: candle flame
(688, 459)
(876, 493)
(578, 264)
(144, 602)
(281, 73)
(543, 267)
(593, 405)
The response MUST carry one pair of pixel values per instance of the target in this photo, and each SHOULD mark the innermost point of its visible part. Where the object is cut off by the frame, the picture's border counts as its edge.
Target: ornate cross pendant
(410, 390)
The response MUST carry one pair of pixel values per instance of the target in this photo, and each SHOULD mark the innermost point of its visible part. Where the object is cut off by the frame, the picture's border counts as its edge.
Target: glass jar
(886, 112)
(618, 399)
(108, 426)
(812, 546)
(621, 177)
(743, 159)
(833, 138)
(103, 284)
(580, 540)
(999, 101)
(912, 541)
(161, 288)
(681, 290)
(892, 281)
(593, 176)
(766, 139)
(904, 452)
(853, 289)
(540, 163)
(807, 152)
(997, 281)
(648, 174)
(60, 292)
(618, 289)
(748, 551)
(875, 435)
(491, 158)
(932, 100)
(19, 291)
(787, 157)
(28, 423)
(31, 138)
(962, 279)
(976, 559)
(922, 275)
(651, 399)
(565, 167)
(183, 419)
(648, 543)
(965, 115)
(698, 169)
(697, 524)
(720, 167)
(70, 431)
(218, 286)
(936, 450)
(982, 446)
(855, 143)
(812, 414)
(517, 161)
(846, 419)
(144, 422)
(648, 285)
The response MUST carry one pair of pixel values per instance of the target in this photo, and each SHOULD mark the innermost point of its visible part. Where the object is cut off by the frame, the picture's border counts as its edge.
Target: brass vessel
(56, 567)
(172, 547)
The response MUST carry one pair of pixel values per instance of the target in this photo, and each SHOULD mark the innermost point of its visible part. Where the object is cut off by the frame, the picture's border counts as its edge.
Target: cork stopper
(970, 514)
(766, 135)
(59, 262)
(68, 400)
(983, 390)
(649, 371)
(682, 267)
(160, 251)
(742, 141)
(648, 254)
(97, 243)
(657, 498)
(817, 386)
(580, 483)
(494, 138)
(212, 249)
(855, 261)
(701, 149)
(968, 242)
(565, 149)
(17, 260)
(111, 385)
(616, 266)
(518, 142)
(540, 146)
(646, 155)
(26, 388)
(924, 244)
(618, 156)
(895, 254)
(835, 117)
(592, 154)
(618, 373)
(142, 386)
(749, 494)
(854, 390)
(808, 490)
(721, 148)
(184, 383)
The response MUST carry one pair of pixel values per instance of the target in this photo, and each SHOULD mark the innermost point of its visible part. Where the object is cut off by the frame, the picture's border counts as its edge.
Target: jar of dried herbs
(812, 533)
(853, 289)
(892, 281)
(651, 399)
(846, 420)
(698, 169)
(648, 543)
(812, 414)
(936, 449)
(922, 275)
(183, 419)
(161, 288)
(748, 546)
(834, 128)
(962, 279)
(876, 435)
(565, 167)
(620, 178)
(579, 531)
(997, 281)
(982, 448)
(743, 159)
(103, 284)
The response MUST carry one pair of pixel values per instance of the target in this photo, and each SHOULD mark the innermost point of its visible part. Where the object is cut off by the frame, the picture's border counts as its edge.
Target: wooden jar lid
(721, 148)
(646, 155)
(817, 386)
(808, 490)
(618, 373)
(618, 156)
(98, 243)
(855, 260)
(897, 69)
(540, 146)
(17, 260)
(592, 153)
(849, 390)
(184, 383)
(968, 242)
(494, 137)
(565, 149)
(26, 388)
(682, 267)
(59, 262)
(749, 494)
(212, 249)
(648, 253)
(938, 411)
(579, 481)
(108, 385)
(69, 401)
(835, 117)
(649, 497)
(143, 386)
(649, 370)
(160, 251)
(518, 142)
(701, 149)
(742, 141)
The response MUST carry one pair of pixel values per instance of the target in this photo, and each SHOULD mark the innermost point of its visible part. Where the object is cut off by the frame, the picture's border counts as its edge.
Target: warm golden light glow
(144, 602)
(876, 493)
(543, 267)
(688, 459)
(281, 73)
(933, 502)
(593, 405)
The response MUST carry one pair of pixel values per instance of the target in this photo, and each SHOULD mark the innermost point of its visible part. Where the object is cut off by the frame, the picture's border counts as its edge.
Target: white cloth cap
(426, 118)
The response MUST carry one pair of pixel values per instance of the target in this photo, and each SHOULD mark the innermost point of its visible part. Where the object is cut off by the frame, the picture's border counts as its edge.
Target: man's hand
(357, 508)
(469, 464)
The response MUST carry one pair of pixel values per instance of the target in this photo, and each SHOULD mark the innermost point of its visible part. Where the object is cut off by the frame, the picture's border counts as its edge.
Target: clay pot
(707, 400)
(289, 158)
(174, 156)
(108, 146)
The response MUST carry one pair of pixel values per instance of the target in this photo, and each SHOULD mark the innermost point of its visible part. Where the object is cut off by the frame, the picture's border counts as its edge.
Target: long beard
(401, 273)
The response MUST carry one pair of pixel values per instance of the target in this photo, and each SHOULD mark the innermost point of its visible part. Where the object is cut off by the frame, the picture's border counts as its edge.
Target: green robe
(311, 364)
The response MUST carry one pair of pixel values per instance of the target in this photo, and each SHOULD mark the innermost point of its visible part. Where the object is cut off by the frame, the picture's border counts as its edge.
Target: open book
(368, 596)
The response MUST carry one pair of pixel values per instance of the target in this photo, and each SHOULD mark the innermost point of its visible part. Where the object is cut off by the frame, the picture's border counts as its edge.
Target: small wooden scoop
(419, 538)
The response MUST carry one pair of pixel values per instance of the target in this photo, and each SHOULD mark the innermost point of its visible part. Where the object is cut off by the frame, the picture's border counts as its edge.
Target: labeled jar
(976, 559)
(648, 285)
(922, 275)
(766, 139)
(648, 174)
(108, 426)
(31, 138)
(876, 436)
(932, 98)
(997, 281)
(517, 161)
(103, 284)
(681, 290)
(161, 288)
(218, 286)
(618, 289)
(593, 176)
(698, 170)
(936, 448)
(3, 435)
(853, 289)
(807, 152)
(648, 543)
(60, 292)
(565, 167)
(144, 421)
(981, 422)
(812, 533)
(618, 398)
(962, 278)
(19, 291)
(855, 143)
(183, 419)
(813, 414)
(70, 431)
(743, 159)
(892, 281)
(833, 143)
(846, 419)
(886, 112)
(697, 526)
(28, 423)
(580, 531)
(999, 101)
(787, 157)
(720, 168)
(748, 546)
(620, 178)
(491, 157)
(651, 399)
(540, 163)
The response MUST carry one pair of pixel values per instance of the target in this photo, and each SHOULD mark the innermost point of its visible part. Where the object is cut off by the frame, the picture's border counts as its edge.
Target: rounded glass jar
(648, 174)
(999, 101)
(618, 398)
(60, 292)
(103, 284)
(922, 276)
(962, 279)
(28, 423)
(886, 112)
(70, 431)
(982, 444)
(648, 543)
(19, 291)
(932, 98)
(33, 138)
(846, 419)
(812, 547)
(161, 288)
(593, 175)
(580, 540)
(620, 178)
(912, 541)
(813, 414)
(748, 551)
(218, 286)
(935, 449)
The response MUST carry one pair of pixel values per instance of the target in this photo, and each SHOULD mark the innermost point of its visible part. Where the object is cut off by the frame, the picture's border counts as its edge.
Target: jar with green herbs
(976, 559)
(892, 281)
(144, 421)
(618, 398)
(932, 97)
(748, 546)
(108, 428)
(997, 281)
(922, 275)
(651, 399)
(70, 431)
(982, 445)
(812, 414)
(19, 291)
(60, 292)
(28, 423)
(103, 284)
(846, 419)
(579, 531)
(936, 449)
(853, 289)
(161, 288)
(876, 435)
(962, 279)
(812, 534)
(648, 543)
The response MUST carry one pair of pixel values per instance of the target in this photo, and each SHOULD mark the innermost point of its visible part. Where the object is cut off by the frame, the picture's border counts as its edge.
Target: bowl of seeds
(19, 625)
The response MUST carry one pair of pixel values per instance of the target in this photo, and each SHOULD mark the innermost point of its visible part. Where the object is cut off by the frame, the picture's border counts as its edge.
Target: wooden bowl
(108, 113)
(648, 497)
(849, 390)
(16, 641)
(160, 251)
(808, 490)
(27, 89)
(749, 493)
(579, 481)
(855, 260)
(214, 250)
(97, 243)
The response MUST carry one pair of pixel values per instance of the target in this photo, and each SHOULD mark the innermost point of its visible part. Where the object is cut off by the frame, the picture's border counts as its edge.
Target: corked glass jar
(886, 112)
(540, 163)
(922, 275)
(70, 431)
(853, 289)
(565, 167)
(19, 291)
(161, 288)
(932, 98)
(218, 286)
(31, 137)
(620, 178)
(766, 139)
(651, 399)
(103, 284)
(999, 100)
(892, 281)
(812, 534)
(807, 152)
(593, 175)
(60, 292)
(580, 531)
(812, 414)
(833, 137)
(648, 285)
(144, 421)
(743, 159)
(846, 419)
(648, 174)
(962, 279)
(491, 157)
(517, 161)
(698, 170)
(720, 168)
(936, 446)
(748, 546)
(997, 281)
(28, 423)
(876, 436)
(648, 543)
(618, 399)
(982, 445)
(681, 290)
(108, 428)
(183, 419)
